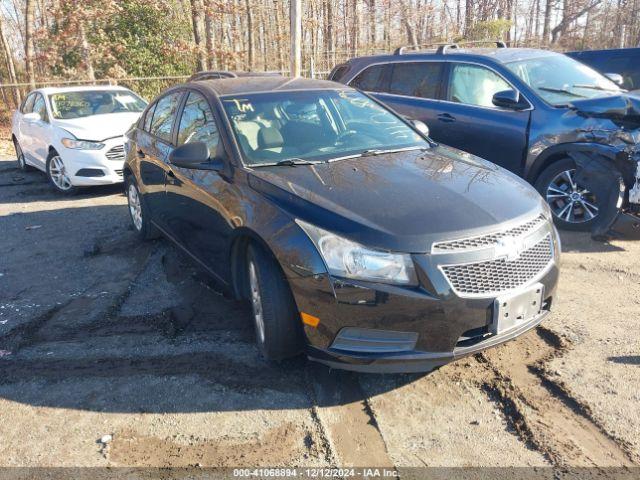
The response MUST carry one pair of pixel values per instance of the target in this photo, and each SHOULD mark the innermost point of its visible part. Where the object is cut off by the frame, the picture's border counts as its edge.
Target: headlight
(348, 259)
(81, 144)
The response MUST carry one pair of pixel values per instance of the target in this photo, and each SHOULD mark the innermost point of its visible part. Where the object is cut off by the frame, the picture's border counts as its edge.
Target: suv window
(197, 123)
(475, 85)
(27, 106)
(369, 78)
(40, 108)
(163, 116)
(416, 79)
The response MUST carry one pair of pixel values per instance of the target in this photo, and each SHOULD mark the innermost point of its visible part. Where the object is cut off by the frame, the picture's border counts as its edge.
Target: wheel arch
(564, 150)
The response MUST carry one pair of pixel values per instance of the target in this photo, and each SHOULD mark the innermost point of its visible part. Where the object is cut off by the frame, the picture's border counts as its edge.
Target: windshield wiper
(287, 162)
(561, 90)
(593, 87)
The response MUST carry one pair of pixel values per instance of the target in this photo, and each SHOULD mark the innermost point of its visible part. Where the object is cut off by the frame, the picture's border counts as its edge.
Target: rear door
(469, 121)
(413, 89)
(22, 128)
(40, 131)
(153, 145)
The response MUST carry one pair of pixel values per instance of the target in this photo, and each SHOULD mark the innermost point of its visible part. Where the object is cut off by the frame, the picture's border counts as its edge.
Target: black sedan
(357, 239)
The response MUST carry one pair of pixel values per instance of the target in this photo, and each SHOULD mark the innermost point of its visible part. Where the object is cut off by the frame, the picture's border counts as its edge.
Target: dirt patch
(277, 447)
(6, 146)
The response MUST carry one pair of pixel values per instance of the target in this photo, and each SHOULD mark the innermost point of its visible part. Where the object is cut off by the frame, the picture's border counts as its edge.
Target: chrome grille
(489, 240)
(116, 153)
(496, 276)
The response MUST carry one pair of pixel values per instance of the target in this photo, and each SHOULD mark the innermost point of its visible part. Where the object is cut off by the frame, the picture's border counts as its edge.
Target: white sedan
(75, 134)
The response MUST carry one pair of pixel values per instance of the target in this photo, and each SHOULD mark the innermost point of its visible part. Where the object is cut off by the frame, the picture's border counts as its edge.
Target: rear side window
(27, 106)
(164, 115)
(369, 79)
(197, 123)
(475, 85)
(416, 79)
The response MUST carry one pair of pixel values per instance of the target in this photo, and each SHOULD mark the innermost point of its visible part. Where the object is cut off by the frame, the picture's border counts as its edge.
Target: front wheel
(275, 315)
(573, 206)
(58, 175)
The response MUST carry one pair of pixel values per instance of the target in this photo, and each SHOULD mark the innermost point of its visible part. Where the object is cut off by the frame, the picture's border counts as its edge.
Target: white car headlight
(81, 144)
(348, 259)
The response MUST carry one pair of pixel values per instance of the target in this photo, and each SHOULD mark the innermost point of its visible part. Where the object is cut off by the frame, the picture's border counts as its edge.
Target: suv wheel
(138, 211)
(58, 175)
(22, 162)
(275, 315)
(573, 206)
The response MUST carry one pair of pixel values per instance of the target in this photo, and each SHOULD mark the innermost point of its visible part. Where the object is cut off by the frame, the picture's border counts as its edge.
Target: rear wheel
(573, 206)
(275, 315)
(138, 211)
(22, 162)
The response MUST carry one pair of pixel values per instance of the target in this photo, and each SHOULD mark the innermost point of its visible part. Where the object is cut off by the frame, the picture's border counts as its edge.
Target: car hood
(623, 109)
(99, 127)
(402, 201)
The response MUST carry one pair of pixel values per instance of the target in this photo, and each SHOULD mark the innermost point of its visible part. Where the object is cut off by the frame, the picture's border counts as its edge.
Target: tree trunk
(29, 51)
(210, 35)
(197, 20)
(86, 51)
(372, 24)
(249, 33)
(11, 66)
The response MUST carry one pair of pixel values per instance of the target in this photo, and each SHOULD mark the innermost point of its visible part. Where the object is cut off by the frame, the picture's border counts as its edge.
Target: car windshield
(559, 79)
(314, 126)
(69, 105)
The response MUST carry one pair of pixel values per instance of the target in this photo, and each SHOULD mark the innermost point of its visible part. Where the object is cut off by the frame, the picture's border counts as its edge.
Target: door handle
(140, 154)
(446, 117)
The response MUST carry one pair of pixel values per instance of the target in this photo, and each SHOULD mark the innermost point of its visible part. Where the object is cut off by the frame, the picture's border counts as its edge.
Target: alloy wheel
(135, 207)
(569, 201)
(256, 301)
(58, 173)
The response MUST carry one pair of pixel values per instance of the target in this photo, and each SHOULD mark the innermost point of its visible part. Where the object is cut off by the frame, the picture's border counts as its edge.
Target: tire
(275, 315)
(552, 183)
(57, 175)
(22, 163)
(139, 212)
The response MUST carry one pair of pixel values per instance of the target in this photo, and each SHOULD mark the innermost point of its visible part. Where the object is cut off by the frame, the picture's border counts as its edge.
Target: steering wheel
(345, 135)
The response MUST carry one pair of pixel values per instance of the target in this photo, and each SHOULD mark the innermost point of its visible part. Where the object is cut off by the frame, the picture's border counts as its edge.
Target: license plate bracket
(509, 311)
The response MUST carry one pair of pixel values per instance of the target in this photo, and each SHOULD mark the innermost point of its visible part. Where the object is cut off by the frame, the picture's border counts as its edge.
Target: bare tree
(197, 17)
(29, 51)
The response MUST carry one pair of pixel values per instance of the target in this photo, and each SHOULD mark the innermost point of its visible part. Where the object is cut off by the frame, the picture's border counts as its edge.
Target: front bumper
(448, 327)
(95, 167)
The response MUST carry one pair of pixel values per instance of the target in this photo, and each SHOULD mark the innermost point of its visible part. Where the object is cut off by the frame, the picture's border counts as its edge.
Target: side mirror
(32, 117)
(507, 99)
(194, 156)
(615, 78)
(420, 126)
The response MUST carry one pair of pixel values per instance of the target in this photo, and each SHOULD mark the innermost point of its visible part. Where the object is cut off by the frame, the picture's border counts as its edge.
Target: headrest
(269, 137)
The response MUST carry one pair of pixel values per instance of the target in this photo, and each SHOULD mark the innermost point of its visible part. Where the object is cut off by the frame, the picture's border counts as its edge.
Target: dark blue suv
(524, 109)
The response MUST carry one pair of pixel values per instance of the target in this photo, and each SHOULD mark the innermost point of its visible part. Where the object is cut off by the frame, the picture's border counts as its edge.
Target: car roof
(244, 85)
(499, 55)
(80, 88)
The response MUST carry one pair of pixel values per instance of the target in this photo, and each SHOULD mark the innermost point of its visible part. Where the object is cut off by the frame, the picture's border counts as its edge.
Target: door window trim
(183, 104)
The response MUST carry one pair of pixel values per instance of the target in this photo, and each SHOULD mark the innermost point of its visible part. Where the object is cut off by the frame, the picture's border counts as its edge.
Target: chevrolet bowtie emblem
(509, 248)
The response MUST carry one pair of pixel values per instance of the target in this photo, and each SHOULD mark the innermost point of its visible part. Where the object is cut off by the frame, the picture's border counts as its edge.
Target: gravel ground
(101, 335)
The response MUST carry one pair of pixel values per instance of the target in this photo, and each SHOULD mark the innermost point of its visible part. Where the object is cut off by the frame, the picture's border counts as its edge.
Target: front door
(469, 120)
(197, 214)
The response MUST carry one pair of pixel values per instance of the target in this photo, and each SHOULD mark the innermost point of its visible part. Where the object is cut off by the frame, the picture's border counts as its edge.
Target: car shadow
(581, 242)
(135, 327)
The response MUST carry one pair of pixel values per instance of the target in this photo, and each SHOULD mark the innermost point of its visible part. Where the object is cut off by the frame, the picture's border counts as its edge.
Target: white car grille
(116, 153)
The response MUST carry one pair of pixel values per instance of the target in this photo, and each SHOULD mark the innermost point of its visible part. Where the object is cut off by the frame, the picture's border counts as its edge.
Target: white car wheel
(58, 174)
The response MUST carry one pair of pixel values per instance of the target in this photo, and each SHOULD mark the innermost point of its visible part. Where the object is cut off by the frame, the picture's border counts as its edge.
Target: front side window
(40, 108)
(475, 85)
(197, 123)
(27, 106)
(164, 115)
(369, 79)
(419, 79)
(315, 125)
(559, 79)
(68, 105)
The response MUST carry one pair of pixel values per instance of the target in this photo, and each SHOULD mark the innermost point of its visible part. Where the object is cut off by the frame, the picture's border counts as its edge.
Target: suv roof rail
(443, 47)
(210, 75)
